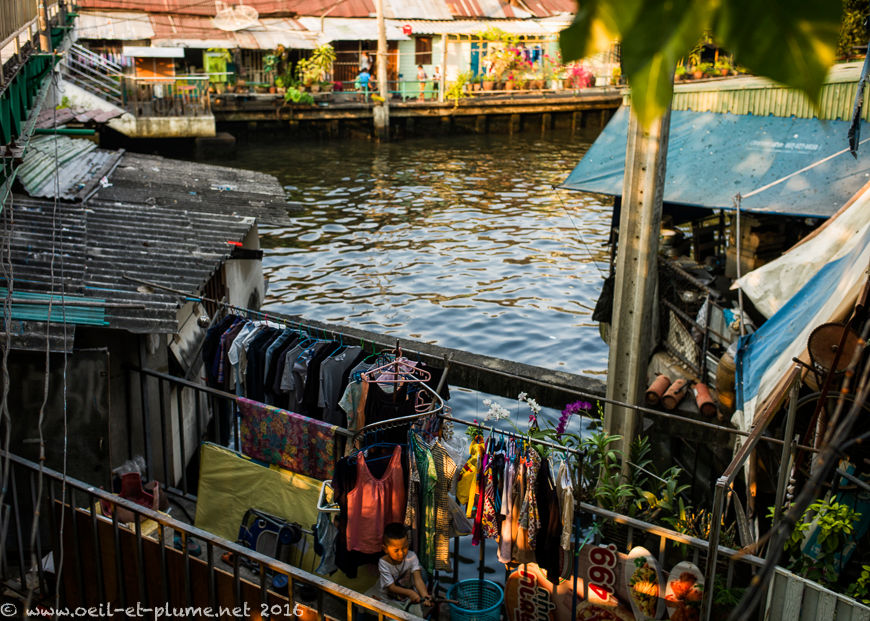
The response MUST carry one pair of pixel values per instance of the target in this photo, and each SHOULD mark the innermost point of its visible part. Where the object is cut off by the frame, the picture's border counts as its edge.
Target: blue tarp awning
(712, 157)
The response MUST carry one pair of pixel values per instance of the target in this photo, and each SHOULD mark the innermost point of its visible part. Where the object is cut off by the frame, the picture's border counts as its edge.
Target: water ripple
(459, 241)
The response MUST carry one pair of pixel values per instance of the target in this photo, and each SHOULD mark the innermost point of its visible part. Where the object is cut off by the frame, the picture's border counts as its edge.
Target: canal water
(460, 241)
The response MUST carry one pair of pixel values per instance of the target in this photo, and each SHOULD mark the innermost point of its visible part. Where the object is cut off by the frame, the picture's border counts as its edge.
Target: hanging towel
(287, 439)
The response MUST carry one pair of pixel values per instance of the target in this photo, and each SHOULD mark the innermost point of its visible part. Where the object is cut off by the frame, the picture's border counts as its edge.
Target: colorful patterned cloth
(287, 439)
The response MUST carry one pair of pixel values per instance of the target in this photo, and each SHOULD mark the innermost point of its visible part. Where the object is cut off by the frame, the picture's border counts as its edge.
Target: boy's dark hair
(395, 531)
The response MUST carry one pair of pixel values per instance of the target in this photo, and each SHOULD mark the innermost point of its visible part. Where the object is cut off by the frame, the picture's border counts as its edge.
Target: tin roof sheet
(189, 7)
(352, 29)
(114, 25)
(200, 32)
(469, 27)
(63, 167)
(154, 180)
(101, 245)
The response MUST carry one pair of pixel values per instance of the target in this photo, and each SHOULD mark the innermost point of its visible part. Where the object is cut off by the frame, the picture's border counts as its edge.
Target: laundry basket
(479, 600)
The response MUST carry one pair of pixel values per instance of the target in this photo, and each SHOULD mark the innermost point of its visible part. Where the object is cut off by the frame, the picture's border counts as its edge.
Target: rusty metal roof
(200, 32)
(62, 116)
(188, 7)
(395, 9)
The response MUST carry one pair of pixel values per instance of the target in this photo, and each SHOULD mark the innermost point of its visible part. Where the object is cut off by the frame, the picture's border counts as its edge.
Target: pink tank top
(374, 503)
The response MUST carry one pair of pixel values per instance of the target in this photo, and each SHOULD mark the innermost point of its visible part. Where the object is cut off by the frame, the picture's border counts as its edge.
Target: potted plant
(722, 66)
(704, 69)
(680, 73)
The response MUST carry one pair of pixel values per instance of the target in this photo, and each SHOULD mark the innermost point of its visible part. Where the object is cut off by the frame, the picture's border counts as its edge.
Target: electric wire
(579, 234)
(5, 417)
(34, 528)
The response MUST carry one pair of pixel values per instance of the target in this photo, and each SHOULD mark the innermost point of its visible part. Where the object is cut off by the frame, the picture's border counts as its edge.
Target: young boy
(400, 572)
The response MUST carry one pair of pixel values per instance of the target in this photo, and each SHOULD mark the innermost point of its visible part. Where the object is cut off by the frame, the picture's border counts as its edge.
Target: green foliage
(219, 52)
(791, 42)
(456, 90)
(836, 523)
(860, 589)
(317, 66)
(494, 33)
(852, 31)
(293, 94)
(64, 103)
(704, 67)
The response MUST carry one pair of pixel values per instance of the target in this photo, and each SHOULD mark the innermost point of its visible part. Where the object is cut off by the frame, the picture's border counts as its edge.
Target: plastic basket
(479, 600)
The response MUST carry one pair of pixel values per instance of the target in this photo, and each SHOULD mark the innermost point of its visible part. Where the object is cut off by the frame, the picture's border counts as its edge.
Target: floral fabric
(287, 439)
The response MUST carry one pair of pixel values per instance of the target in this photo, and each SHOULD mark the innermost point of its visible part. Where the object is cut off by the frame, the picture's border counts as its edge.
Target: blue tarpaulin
(840, 256)
(713, 156)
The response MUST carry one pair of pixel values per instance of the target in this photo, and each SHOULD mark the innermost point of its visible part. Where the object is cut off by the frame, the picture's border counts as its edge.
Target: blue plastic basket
(479, 600)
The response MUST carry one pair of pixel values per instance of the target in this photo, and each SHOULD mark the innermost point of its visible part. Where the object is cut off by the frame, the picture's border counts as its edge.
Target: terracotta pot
(509, 85)
(675, 394)
(488, 85)
(657, 389)
(704, 401)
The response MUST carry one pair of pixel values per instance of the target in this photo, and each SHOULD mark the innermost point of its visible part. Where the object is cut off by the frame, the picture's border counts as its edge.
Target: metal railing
(183, 96)
(93, 73)
(15, 15)
(100, 561)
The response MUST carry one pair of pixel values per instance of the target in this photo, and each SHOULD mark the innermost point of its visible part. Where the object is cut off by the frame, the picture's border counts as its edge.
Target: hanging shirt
(506, 538)
(466, 489)
(333, 372)
(373, 503)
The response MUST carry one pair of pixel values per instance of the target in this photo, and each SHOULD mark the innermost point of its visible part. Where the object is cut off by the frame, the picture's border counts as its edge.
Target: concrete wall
(244, 277)
(164, 127)
(80, 98)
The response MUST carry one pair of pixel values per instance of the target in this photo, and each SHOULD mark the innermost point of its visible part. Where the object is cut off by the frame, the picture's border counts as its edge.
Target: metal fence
(80, 559)
(161, 97)
(798, 599)
(14, 15)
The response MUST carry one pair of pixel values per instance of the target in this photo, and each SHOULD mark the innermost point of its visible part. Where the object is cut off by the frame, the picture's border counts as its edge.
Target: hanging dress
(373, 503)
(445, 468)
(428, 481)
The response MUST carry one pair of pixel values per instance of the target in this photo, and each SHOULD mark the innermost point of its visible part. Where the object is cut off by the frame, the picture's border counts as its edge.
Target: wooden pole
(381, 110)
(443, 80)
(44, 34)
(634, 315)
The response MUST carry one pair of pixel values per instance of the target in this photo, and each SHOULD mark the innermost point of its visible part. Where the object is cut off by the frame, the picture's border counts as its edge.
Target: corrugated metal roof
(201, 33)
(123, 26)
(62, 166)
(417, 9)
(153, 180)
(58, 117)
(100, 244)
(472, 27)
(395, 9)
(348, 8)
(189, 7)
(352, 29)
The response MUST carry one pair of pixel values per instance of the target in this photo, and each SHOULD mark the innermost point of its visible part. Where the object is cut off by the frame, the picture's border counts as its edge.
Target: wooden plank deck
(231, 107)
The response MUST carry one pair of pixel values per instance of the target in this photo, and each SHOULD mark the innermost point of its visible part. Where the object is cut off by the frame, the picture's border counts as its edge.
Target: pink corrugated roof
(462, 9)
(189, 7)
(186, 27)
(348, 8)
(548, 8)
